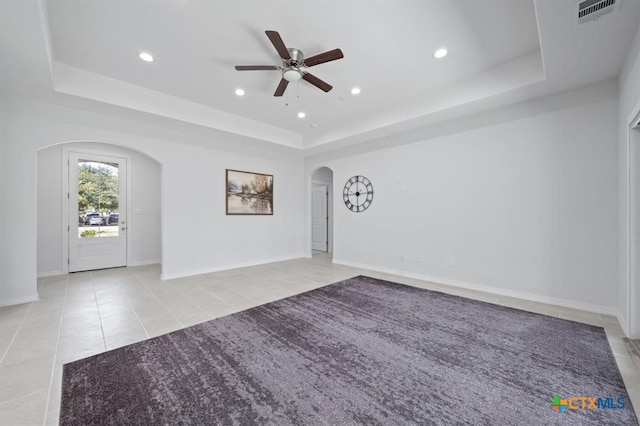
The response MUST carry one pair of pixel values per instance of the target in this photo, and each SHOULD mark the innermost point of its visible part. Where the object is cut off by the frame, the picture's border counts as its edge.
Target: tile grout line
(13, 338)
(162, 303)
(217, 298)
(95, 297)
(22, 396)
(146, 333)
(104, 337)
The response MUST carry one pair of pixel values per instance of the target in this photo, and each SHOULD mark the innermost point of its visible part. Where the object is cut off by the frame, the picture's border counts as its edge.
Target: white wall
(144, 222)
(10, 290)
(197, 236)
(17, 210)
(3, 184)
(524, 205)
(629, 106)
(49, 211)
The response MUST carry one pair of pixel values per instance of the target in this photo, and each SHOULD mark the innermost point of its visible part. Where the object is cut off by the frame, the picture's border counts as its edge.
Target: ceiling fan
(293, 64)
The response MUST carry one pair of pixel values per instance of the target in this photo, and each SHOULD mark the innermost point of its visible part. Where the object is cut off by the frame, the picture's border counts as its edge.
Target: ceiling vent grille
(591, 10)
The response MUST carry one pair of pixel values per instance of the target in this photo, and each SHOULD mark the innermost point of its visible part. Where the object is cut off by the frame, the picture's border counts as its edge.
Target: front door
(97, 212)
(319, 218)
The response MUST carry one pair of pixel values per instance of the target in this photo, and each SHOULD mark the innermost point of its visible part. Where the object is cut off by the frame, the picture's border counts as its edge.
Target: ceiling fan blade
(281, 87)
(256, 67)
(321, 58)
(278, 44)
(322, 85)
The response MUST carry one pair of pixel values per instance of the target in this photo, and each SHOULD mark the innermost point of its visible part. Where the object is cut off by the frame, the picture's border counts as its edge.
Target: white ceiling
(500, 51)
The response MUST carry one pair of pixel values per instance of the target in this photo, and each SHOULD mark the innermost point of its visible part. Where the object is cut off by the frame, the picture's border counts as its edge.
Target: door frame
(330, 210)
(631, 326)
(66, 150)
(325, 186)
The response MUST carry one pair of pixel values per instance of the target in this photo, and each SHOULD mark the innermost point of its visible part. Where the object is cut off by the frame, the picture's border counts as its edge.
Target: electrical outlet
(403, 257)
(419, 258)
(451, 263)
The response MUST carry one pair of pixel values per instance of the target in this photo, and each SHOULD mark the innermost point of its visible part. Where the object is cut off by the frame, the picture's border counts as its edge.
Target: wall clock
(358, 194)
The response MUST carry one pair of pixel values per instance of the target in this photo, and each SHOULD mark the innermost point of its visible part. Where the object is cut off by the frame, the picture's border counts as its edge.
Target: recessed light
(440, 53)
(239, 92)
(355, 91)
(146, 57)
(301, 114)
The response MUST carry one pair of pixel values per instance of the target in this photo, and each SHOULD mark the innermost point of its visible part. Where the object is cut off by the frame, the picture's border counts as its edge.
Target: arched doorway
(143, 230)
(322, 211)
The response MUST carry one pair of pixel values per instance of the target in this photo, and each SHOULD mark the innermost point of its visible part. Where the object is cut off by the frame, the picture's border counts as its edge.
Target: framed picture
(249, 193)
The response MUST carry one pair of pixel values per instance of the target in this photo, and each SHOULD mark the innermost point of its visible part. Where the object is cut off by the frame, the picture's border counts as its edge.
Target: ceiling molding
(85, 84)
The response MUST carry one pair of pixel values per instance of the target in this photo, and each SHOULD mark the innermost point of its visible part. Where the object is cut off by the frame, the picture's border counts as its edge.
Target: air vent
(591, 10)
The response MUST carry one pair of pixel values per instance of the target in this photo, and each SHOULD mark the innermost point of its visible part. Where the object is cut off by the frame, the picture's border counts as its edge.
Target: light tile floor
(83, 314)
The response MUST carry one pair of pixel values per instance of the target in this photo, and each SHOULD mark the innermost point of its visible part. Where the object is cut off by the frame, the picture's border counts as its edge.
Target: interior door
(97, 212)
(319, 218)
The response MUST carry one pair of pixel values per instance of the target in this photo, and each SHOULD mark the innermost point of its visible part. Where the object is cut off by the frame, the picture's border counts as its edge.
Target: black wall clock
(358, 194)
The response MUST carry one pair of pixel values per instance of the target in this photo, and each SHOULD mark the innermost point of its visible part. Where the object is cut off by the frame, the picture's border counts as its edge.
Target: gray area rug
(361, 351)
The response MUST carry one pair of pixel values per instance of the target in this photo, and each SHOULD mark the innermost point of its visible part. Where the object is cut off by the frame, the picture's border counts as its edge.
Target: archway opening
(142, 224)
(322, 211)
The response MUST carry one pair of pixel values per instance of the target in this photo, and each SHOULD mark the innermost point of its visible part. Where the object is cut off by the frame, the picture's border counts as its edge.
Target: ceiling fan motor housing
(297, 58)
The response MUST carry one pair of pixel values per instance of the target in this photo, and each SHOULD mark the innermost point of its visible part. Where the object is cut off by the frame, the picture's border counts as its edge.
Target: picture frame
(248, 193)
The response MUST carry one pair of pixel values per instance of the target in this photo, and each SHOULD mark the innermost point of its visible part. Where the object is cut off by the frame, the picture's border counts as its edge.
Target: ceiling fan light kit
(292, 74)
(293, 64)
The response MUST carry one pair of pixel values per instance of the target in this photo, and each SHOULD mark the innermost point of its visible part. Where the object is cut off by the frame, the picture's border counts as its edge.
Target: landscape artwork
(249, 193)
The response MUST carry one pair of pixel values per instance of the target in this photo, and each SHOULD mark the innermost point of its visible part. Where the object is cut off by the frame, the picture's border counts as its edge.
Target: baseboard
(46, 274)
(144, 262)
(50, 273)
(191, 273)
(623, 324)
(19, 300)
(488, 289)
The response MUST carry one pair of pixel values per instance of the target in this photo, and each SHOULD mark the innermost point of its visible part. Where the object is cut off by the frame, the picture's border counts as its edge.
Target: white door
(319, 218)
(97, 212)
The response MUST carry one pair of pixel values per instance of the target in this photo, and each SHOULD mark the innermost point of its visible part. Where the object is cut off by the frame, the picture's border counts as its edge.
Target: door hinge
(67, 195)
(68, 229)
(68, 262)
